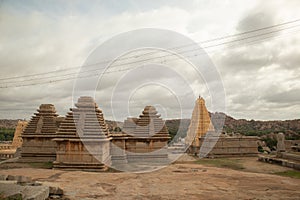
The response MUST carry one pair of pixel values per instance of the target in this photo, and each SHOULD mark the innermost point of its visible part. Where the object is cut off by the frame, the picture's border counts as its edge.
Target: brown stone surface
(280, 143)
(38, 145)
(7, 153)
(43, 122)
(229, 146)
(118, 149)
(83, 138)
(289, 159)
(175, 182)
(147, 137)
(17, 140)
(290, 143)
(149, 124)
(200, 123)
(9, 150)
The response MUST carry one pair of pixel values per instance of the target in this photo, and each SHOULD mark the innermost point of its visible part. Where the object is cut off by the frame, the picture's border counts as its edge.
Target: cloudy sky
(259, 71)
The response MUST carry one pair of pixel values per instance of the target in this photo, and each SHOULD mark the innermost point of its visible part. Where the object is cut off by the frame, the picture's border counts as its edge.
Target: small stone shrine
(147, 137)
(83, 138)
(38, 145)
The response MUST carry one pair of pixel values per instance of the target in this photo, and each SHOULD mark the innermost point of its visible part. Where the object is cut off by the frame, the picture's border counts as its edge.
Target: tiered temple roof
(149, 140)
(88, 119)
(43, 122)
(38, 144)
(149, 124)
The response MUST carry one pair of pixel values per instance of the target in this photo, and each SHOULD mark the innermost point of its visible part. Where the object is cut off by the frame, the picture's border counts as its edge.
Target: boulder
(55, 190)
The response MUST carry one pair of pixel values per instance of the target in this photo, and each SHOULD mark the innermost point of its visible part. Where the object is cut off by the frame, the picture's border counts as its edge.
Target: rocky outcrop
(22, 187)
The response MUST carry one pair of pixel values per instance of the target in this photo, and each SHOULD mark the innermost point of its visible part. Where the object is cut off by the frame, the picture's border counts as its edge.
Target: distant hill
(291, 128)
(12, 123)
(113, 125)
(8, 123)
(177, 125)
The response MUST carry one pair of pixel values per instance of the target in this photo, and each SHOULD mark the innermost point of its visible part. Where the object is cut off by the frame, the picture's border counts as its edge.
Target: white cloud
(35, 39)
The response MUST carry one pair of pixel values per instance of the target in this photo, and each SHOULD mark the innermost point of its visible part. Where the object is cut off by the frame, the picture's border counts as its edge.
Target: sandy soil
(177, 181)
(252, 165)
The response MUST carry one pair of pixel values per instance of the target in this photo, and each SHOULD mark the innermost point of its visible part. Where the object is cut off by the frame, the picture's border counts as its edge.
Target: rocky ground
(182, 180)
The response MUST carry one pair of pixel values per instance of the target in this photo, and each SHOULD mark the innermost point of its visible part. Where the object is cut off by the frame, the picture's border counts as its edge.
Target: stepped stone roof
(43, 122)
(149, 124)
(85, 120)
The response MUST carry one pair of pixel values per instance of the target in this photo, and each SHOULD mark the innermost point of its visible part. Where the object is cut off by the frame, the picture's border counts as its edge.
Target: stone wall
(118, 149)
(5, 146)
(6, 154)
(230, 146)
(290, 143)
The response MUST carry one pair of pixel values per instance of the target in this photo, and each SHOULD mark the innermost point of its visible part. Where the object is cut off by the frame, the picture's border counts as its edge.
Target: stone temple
(143, 139)
(13, 150)
(38, 144)
(199, 126)
(17, 140)
(206, 142)
(147, 137)
(83, 138)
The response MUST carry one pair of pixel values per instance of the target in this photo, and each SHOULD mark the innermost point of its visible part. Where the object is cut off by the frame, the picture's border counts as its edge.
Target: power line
(149, 53)
(148, 59)
(92, 75)
(53, 76)
(107, 72)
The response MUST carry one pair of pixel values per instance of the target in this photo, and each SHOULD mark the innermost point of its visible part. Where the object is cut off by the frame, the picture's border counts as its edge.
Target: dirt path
(177, 181)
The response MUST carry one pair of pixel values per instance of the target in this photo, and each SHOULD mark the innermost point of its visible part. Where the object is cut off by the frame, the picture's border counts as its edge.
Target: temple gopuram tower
(83, 138)
(149, 140)
(17, 140)
(199, 126)
(38, 145)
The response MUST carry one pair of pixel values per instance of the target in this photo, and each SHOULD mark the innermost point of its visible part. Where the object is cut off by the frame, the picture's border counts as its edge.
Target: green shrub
(260, 149)
(270, 142)
(6, 134)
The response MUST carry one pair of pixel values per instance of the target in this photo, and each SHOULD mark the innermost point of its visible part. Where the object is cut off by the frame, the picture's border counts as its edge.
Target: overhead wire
(138, 61)
(107, 72)
(149, 53)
